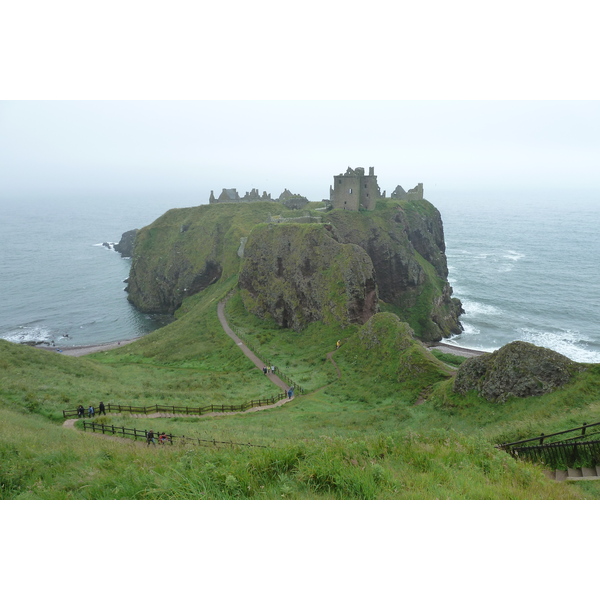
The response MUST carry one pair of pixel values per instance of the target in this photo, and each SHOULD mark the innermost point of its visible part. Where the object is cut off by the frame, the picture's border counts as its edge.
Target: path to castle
(245, 349)
(70, 423)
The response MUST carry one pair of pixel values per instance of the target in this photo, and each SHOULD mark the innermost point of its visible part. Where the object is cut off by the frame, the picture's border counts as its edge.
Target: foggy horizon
(188, 148)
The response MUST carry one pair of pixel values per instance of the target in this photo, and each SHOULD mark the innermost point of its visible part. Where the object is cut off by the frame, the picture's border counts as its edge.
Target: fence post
(542, 439)
(583, 429)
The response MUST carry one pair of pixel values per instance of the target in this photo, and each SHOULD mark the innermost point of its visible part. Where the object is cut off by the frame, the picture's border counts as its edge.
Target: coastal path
(70, 423)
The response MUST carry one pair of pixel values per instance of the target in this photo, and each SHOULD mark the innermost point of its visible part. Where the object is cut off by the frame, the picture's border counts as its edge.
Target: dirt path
(70, 423)
(259, 363)
(330, 357)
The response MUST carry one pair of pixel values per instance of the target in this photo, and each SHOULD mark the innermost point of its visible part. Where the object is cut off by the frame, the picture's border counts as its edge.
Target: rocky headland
(302, 266)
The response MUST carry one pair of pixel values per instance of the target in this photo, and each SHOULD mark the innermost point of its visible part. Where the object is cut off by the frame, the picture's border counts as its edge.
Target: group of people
(162, 437)
(91, 410)
(267, 369)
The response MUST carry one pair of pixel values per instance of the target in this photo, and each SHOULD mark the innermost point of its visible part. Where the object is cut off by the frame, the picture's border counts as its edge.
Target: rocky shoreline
(83, 350)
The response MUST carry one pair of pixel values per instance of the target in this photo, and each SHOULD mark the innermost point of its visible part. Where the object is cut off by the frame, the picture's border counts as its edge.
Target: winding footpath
(70, 423)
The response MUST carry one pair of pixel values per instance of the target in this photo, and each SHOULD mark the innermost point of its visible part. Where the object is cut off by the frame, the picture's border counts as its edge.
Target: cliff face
(186, 250)
(406, 245)
(298, 273)
(125, 245)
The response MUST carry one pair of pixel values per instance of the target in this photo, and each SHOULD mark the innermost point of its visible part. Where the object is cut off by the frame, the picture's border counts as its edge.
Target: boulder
(518, 369)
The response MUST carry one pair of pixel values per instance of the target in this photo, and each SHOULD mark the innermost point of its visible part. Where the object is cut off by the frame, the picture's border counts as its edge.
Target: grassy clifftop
(186, 250)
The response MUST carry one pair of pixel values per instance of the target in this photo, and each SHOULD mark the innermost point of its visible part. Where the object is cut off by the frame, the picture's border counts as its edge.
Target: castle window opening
(350, 191)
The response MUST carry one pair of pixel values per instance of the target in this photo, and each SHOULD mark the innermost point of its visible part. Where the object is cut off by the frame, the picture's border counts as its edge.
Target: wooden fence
(182, 410)
(142, 434)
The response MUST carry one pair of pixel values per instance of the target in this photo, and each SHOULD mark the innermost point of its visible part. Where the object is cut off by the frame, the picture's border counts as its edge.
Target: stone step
(574, 474)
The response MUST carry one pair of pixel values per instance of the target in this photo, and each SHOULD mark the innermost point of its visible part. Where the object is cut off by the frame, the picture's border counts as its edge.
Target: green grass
(357, 435)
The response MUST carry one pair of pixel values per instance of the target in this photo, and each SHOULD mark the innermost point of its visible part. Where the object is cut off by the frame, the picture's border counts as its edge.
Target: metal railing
(567, 451)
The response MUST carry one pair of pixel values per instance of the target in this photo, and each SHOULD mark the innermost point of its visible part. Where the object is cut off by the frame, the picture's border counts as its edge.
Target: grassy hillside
(358, 432)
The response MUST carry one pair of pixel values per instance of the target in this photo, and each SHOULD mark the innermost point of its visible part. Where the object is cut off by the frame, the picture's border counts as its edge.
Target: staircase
(583, 474)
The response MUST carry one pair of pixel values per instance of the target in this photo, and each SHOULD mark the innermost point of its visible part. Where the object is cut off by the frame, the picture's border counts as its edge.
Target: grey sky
(57, 147)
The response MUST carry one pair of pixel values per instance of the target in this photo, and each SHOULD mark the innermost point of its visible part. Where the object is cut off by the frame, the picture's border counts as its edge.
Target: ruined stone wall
(354, 190)
(416, 193)
(369, 192)
(346, 192)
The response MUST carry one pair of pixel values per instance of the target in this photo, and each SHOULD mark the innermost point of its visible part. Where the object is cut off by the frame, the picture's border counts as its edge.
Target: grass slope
(357, 433)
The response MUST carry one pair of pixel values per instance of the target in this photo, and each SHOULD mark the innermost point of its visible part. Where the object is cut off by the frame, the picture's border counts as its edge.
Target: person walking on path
(101, 410)
(80, 410)
(265, 369)
(290, 393)
(91, 411)
(273, 369)
(150, 437)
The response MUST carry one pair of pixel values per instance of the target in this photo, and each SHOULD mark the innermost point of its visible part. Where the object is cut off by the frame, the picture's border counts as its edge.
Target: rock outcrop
(518, 369)
(125, 246)
(407, 248)
(298, 274)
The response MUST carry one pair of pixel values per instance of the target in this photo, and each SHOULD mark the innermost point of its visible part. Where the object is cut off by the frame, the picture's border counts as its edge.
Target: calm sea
(525, 269)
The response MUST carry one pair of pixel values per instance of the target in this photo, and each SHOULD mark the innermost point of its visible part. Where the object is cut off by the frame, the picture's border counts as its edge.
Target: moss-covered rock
(518, 369)
(405, 241)
(298, 274)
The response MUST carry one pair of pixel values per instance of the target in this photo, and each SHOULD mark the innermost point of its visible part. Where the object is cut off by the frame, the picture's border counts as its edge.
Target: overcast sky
(49, 147)
(137, 97)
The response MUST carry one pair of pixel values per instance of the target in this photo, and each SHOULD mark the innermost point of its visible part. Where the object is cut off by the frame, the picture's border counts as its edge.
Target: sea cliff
(301, 266)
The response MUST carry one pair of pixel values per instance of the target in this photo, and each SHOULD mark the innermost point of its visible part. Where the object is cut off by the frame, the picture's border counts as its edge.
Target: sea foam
(571, 344)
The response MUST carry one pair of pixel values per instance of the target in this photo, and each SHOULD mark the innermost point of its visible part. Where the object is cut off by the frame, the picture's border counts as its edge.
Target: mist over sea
(524, 266)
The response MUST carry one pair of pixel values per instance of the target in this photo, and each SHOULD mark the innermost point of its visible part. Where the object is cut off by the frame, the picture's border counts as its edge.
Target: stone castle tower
(355, 190)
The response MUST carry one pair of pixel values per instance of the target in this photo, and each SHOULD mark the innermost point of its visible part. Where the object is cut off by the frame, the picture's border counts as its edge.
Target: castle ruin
(231, 195)
(354, 190)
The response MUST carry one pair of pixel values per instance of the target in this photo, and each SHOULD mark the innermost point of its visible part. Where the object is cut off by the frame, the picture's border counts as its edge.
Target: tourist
(150, 437)
(101, 410)
(91, 411)
(273, 369)
(80, 411)
(265, 369)
(162, 438)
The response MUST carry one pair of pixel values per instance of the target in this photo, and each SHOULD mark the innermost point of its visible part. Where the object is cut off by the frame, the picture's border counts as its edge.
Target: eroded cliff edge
(337, 265)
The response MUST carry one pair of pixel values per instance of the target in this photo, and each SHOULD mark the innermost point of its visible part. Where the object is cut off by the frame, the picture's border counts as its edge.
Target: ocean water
(59, 284)
(525, 268)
